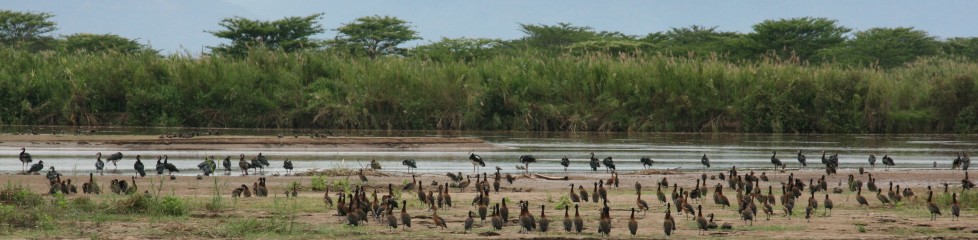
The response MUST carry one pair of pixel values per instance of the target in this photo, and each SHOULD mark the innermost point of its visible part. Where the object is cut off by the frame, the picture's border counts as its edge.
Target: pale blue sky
(179, 25)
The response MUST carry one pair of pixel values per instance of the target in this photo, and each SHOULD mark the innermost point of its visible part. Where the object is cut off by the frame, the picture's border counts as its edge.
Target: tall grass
(508, 92)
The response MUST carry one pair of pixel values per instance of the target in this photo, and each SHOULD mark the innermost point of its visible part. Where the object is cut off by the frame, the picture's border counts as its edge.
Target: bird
(859, 197)
(405, 218)
(700, 220)
(114, 158)
(642, 204)
(374, 164)
(888, 162)
(872, 160)
(594, 163)
(363, 178)
(468, 222)
(646, 162)
(526, 160)
(578, 221)
(774, 160)
(139, 167)
(497, 221)
(476, 162)
(568, 223)
(170, 168)
(933, 208)
(205, 167)
(955, 207)
(883, 199)
(966, 182)
(705, 161)
(632, 224)
(288, 167)
(244, 165)
(255, 164)
(573, 196)
(711, 224)
(410, 164)
(263, 160)
(668, 224)
(801, 159)
(25, 158)
(544, 223)
(99, 165)
(609, 164)
(37, 167)
(159, 165)
(564, 161)
(604, 224)
(828, 205)
(327, 199)
(52, 174)
(227, 165)
(392, 220)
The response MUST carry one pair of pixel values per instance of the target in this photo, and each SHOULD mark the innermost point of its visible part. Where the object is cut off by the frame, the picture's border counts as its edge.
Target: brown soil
(907, 220)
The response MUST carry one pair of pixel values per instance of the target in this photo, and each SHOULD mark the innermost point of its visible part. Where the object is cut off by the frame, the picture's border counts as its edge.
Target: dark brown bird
(405, 218)
(632, 224)
(392, 220)
(504, 211)
(497, 222)
(934, 210)
(584, 195)
(642, 204)
(859, 197)
(544, 223)
(668, 224)
(828, 205)
(701, 221)
(604, 225)
(955, 207)
(363, 178)
(439, 222)
(568, 223)
(573, 196)
(578, 221)
(468, 222)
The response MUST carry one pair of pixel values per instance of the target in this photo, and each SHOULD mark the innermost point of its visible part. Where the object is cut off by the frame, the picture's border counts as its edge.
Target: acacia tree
(801, 37)
(25, 29)
(101, 43)
(288, 34)
(890, 47)
(375, 35)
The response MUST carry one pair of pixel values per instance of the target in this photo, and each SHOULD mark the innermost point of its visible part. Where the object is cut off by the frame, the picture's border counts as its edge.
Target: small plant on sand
(170, 206)
(318, 183)
(343, 184)
(563, 203)
(862, 228)
(216, 204)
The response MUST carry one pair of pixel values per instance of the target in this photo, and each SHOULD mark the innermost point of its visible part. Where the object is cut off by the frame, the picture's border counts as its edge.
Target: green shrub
(22, 218)
(318, 183)
(171, 206)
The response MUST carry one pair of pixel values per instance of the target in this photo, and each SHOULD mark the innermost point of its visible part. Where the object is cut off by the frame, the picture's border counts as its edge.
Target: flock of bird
(356, 208)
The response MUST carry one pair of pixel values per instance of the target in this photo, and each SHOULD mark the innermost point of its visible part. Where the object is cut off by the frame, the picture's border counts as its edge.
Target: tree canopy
(797, 37)
(288, 34)
(100, 43)
(375, 35)
(25, 29)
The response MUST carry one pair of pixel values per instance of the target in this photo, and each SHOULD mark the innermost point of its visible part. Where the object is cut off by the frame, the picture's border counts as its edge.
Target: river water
(668, 150)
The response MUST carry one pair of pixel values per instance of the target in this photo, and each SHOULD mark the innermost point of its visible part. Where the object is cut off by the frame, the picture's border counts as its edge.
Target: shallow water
(670, 151)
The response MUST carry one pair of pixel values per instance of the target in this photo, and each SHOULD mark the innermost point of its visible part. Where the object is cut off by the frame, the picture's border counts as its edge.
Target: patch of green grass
(318, 183)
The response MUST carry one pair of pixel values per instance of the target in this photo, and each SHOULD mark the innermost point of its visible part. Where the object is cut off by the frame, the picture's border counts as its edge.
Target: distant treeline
(800, 75)
(528, 91)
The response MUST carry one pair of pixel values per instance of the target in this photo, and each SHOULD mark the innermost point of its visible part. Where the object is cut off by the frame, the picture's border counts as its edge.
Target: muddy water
(669, 151)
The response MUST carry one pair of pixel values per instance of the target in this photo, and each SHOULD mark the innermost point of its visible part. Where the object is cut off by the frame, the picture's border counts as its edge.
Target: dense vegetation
(557, 78)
